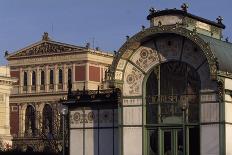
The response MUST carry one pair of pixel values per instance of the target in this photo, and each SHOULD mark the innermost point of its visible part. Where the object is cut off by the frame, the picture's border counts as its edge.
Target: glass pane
(152, 113)
(180, 142)
(153, 139)
(194, 141)
(168, 143)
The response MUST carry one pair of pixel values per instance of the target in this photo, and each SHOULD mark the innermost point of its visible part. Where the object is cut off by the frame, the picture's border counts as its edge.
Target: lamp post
(184, 108)
(63, 112)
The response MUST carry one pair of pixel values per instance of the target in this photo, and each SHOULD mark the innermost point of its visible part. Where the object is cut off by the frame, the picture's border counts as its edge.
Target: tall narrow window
(30, 117)
(42, 78)
(25, 79)
(33, 78)
(51, 76)
(60, 76)
(69, 75)
(47, 119)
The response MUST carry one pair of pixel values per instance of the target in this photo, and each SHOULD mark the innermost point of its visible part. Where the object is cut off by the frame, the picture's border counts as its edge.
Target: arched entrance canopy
(132, 44)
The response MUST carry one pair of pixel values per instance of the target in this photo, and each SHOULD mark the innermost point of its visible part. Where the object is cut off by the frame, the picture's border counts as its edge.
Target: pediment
(43, 48)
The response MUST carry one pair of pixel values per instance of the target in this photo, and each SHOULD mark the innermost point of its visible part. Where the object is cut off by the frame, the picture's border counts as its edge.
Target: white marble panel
(145, 58)
(228, 112)
(228, 84)
(76, 119)
(208, 97)
(168, 19)
(118, 75)
(106, 118)
(132, 115)
(91, 118)
(105, 141)
(210, 139)
(132, 141)
(228, 139)
(121, 64)
(228, 98)
(134, 101)
(76, 142)
(133, 79)
(91, 142)
(210, 112)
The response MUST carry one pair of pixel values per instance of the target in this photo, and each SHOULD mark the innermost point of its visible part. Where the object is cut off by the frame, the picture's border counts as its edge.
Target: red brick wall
(94, 73)
(14, 119)
(16, 75)
(80, 73)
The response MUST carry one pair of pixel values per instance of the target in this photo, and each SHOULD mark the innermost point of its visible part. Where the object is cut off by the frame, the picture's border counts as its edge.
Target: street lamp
(63, 112)
(184, 108)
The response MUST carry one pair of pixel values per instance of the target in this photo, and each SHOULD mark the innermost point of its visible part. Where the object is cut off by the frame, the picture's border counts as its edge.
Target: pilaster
(46, 82)
(37, 79)
(29, 81)
(55, 78)
(86, 75)
(20, 80)
(65, 77)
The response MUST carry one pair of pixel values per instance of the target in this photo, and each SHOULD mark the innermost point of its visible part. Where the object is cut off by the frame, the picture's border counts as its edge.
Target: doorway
(172, 142)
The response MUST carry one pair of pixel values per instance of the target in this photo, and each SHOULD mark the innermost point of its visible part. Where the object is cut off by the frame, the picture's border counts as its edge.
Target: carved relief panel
(145, 58)
(133, 78)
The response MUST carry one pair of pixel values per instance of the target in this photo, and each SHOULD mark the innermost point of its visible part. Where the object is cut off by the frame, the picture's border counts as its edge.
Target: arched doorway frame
(118, 71)
(174, 127)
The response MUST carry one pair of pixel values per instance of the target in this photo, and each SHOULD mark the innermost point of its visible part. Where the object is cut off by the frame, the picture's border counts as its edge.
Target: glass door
(172, 142)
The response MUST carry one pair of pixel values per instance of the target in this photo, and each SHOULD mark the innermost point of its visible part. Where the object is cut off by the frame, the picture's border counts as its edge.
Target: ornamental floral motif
(91, 116)
(76, 116)
(145, 58)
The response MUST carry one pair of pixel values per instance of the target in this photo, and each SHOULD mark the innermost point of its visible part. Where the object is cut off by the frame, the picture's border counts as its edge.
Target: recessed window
(25, 79)
(47, 119)
(51, 76)
(60, 76)
(30, 117)
(33, 78)
(42, 78)
(69, 75)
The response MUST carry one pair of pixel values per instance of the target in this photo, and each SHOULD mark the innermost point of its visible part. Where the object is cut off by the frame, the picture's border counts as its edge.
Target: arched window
(33, 78)
(30, 118)
(172, 96)
(47, 119)
(25, 79)
(51, 76)
(60, 76)
(69, 75)
(42, 78)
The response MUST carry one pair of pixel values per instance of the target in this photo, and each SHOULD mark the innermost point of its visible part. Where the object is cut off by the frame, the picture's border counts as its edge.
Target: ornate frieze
(133, 78)
(44, 48)
(145, 58)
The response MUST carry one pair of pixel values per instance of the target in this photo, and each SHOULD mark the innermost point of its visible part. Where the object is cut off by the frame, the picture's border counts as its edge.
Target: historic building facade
(6, 83)
(43, 70)
(175, 79)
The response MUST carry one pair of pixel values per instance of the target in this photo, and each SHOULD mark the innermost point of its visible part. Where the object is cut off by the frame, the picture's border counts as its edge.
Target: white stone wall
(209, 139)
(93, 132)
(5, 88)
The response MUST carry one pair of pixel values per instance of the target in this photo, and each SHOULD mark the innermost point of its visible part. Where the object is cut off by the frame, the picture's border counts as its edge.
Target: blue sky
(22, 22)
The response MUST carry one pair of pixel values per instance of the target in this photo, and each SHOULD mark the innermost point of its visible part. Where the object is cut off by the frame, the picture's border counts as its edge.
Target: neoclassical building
(6, 83)
(175, 82)
(43, 70)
